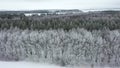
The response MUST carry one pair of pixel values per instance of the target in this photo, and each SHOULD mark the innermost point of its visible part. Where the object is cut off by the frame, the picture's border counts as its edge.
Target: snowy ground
(26, 65)
(37, 65)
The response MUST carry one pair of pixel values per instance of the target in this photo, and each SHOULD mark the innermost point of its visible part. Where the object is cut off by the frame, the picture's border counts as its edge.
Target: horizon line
(91, 9)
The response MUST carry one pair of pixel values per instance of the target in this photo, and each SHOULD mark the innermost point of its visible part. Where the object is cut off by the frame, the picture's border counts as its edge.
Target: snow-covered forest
(91, 38)
(74, 47)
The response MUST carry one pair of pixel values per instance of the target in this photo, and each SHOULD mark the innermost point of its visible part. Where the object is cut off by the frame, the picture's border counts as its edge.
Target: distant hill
(38, 11)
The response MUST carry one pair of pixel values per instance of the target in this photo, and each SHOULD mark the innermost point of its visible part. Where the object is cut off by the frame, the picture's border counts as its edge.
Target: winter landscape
(50, 34)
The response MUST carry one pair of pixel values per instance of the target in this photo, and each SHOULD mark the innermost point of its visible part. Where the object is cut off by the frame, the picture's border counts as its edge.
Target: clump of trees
(74, 47)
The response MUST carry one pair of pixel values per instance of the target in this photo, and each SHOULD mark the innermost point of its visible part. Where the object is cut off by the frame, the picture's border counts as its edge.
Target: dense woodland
(89, 21)
(74, 47)
(87, 38)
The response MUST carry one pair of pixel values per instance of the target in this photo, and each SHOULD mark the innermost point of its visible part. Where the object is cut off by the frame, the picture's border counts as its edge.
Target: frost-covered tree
(74, 47)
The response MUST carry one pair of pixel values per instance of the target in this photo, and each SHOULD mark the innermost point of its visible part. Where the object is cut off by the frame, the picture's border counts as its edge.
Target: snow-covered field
(26, 65)
(37, 65)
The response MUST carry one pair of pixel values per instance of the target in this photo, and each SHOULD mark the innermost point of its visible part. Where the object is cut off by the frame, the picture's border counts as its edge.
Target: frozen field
(37, 65)
(25, 65)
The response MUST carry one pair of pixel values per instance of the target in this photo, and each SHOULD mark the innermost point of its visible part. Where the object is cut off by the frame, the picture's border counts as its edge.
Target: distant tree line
(89, 21)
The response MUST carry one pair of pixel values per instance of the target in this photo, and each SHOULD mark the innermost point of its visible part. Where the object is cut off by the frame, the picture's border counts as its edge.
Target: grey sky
(57, 4)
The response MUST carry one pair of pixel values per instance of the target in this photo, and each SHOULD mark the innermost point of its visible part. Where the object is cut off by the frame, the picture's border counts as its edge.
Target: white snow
(26, 65)
(37, 65)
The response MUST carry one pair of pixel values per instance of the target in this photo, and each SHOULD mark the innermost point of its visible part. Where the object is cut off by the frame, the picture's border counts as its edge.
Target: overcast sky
(57, 4)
